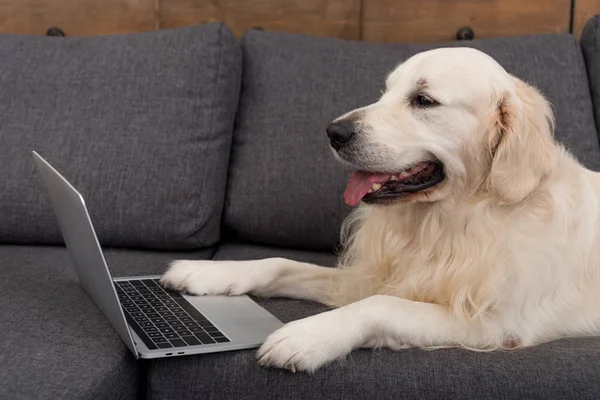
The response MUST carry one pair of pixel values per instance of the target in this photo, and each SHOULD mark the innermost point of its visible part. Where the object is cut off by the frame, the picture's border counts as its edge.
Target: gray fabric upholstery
(565, 369)
(54, 342)
(240, 251)
(590, 43)
(285, 187)
(141, 124)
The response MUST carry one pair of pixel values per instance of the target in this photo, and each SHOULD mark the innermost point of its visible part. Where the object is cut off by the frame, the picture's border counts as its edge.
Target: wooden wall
(583, 10)
(371, 20)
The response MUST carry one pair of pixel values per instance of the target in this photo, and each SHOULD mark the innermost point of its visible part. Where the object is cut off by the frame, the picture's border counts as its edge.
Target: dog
(474, 227)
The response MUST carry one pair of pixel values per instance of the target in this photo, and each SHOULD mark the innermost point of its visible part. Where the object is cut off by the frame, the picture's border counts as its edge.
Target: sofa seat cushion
(54, 342)
(140, 123)
(565, 369)
(286, 189)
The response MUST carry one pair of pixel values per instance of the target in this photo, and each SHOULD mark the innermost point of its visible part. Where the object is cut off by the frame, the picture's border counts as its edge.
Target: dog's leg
(377, 321)
(265, 278)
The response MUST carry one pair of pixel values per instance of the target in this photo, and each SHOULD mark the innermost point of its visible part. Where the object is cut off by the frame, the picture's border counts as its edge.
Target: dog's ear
(521, 142)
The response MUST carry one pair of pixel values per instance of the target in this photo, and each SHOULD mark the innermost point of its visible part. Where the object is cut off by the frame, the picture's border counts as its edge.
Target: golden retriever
(475, 228)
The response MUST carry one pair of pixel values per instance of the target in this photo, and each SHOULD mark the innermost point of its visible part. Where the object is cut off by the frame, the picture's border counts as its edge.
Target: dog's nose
(340, 133)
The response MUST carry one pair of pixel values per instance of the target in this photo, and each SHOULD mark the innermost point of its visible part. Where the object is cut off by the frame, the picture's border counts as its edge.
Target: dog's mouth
(379, 187)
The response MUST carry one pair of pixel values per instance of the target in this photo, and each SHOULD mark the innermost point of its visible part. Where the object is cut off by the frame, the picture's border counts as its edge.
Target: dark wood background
(369, 20)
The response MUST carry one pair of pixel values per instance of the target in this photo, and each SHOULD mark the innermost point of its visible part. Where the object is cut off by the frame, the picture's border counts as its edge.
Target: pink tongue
(360, 183)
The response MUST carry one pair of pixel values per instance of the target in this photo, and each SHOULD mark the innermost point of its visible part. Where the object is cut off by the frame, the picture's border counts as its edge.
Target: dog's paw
(207, 277)
(307, 344)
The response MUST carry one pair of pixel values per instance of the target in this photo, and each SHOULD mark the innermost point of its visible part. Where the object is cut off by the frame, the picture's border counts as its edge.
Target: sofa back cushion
(141, 124)
(285, 188)
(590, 43)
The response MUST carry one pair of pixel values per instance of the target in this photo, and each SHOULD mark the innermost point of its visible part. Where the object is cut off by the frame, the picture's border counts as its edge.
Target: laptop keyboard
(164, 319)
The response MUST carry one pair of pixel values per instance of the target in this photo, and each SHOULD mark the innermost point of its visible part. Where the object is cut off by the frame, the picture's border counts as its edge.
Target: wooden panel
(76, 17)
(339, 18)
(439, 20)
(583, 10)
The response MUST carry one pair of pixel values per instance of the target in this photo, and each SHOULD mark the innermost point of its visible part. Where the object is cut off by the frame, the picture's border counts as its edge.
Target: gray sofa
(189, 143)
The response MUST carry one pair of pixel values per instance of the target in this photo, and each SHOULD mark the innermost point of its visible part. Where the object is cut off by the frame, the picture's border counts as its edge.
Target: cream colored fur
(504, 253)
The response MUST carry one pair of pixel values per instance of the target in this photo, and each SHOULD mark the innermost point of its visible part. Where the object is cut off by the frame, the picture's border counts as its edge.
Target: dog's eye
(424, 101)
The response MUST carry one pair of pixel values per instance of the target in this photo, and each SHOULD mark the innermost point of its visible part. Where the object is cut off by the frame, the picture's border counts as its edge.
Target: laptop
(154, 322)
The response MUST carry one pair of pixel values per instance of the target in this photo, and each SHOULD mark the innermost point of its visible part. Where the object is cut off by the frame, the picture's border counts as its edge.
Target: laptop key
(143, 335)
(166, 330)
(162, 325)
(171, 335)
(195, 329)
(140, 300)
(170, 318)
(190, 324)
(145, 324)
(158, 320)
(165, 345)
(185, 319)
(162, 309)
(159, 339)
(155, 334)
(184, 333)
(136, 283)
(178, 343)
(152, 315)
(180, 314)
(204, 338)
(221, 339)
(150, 329)
(141, 319)
(138, 314)
(190, 340)
(180, 328)
(176, 323)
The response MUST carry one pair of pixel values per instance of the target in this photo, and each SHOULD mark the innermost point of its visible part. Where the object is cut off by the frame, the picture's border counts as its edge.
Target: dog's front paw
(307, 344)
(207, 277)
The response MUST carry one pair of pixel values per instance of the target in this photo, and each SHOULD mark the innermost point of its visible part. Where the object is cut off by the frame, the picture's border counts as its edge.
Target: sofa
(190, 143)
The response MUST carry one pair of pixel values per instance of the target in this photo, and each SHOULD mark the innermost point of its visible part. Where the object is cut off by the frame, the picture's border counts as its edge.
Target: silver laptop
(152, 321)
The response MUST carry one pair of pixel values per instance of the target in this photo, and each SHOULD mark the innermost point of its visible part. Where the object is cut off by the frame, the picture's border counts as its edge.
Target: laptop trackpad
(239, 317)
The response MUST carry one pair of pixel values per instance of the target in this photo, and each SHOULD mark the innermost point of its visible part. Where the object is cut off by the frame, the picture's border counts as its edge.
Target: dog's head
(451, 121)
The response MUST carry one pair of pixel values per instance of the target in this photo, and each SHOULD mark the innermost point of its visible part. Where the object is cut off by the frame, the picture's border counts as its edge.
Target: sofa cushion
(565, 369)
(590, 43)
(140, 123)
(245, 251)
(285, 188)
(54, 342)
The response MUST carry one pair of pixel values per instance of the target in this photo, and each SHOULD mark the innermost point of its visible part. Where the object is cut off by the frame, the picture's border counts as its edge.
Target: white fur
(504, 253)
